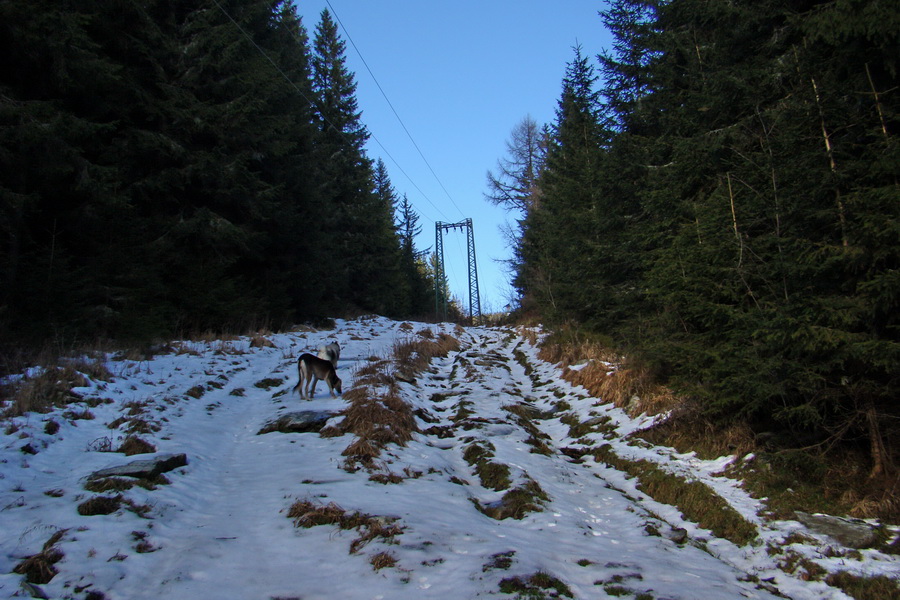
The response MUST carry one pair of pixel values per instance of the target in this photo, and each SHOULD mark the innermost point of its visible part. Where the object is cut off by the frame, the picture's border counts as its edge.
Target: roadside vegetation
(829, 478)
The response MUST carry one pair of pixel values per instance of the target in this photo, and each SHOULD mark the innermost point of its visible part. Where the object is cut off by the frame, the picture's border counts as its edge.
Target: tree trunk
(831, 163)
(882, 464)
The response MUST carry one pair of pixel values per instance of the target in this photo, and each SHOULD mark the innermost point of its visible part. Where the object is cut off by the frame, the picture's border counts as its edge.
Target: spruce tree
(346, 172)
(385, 290)
(556, 246)
(413, 268)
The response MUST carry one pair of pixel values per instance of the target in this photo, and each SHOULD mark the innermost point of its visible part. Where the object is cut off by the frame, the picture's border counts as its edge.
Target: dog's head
(336, 385)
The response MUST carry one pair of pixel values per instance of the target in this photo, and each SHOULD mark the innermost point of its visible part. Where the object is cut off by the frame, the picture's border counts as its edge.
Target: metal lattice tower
(440, 296)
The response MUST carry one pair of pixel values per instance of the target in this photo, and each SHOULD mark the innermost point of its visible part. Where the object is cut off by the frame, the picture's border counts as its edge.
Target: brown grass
(528, 333)
(107, 484)
(687, 429)
(135, 445)
(376, 426)
(386, 478)
(100, 505)
(196, 392)
(260, 340)
(38, 568)
(41, 393)
(376, 414)
(607, 376)
(413, 356)
(382, 560)
(308, 514)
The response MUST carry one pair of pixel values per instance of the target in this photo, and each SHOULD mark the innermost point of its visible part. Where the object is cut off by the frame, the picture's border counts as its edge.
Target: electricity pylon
(440, 291)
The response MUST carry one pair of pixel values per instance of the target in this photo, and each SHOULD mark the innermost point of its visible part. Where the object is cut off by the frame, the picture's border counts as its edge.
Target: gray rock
(852, 533)
(303, 421)
(144, 469)
(678, 535)
(405, 377)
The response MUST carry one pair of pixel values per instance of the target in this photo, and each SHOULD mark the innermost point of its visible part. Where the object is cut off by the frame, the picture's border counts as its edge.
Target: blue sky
(460, 75)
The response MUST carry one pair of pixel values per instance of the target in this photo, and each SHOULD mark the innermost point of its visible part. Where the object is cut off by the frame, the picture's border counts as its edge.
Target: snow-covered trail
(219, 529)
(589, 532)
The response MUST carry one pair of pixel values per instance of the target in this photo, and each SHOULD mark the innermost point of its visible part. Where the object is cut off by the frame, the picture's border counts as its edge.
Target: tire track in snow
(596, 533)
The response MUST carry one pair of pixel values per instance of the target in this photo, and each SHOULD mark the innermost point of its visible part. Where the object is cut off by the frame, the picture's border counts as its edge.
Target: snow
(219, 529)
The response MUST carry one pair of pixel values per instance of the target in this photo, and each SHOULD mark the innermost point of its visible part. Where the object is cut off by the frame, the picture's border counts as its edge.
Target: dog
(331, 352)
(311, 369)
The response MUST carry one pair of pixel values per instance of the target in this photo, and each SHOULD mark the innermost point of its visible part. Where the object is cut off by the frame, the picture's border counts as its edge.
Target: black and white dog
(311, 369)
(331, 353)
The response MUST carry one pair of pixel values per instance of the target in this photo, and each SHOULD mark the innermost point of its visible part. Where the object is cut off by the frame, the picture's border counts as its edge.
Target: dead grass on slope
(306, 514)
(788, 479)
(38, 568)
(606, 375)
(376, 414)
(50, 387)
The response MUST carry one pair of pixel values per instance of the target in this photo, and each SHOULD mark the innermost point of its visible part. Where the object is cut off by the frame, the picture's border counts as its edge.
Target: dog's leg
(297, 388)
(304, 380)
(314, 380)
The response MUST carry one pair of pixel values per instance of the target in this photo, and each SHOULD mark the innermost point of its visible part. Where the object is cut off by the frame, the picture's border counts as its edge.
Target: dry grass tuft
(386, 478)
(383, 560)
(308, 514)
(38, 568)
(100, 505)
(259, 340)
(362, 450)
(196, 392)
(538, 585)
(516, 503)
(529, 334)
(135, 445)
(377, 422)
(412, 356)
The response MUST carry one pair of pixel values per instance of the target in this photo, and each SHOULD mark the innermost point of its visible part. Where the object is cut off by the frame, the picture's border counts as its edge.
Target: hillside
(515, 484)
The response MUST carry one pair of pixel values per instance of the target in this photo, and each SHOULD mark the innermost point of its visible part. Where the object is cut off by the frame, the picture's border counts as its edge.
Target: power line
(324, 118)
(390, 104)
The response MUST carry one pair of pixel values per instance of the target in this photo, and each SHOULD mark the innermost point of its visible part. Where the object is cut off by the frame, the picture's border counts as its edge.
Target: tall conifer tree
(347, 173)
(556, 245)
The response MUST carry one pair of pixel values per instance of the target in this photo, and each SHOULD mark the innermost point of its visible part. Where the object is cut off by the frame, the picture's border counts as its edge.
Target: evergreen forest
(178, 166)
(718, 198)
